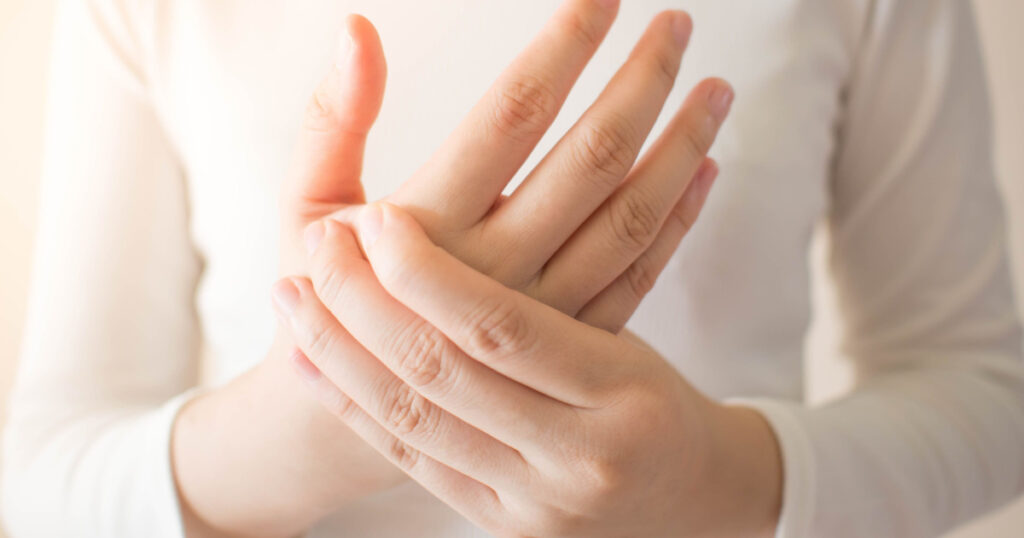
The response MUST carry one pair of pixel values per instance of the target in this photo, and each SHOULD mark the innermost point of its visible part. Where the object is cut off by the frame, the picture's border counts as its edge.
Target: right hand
(586, 232)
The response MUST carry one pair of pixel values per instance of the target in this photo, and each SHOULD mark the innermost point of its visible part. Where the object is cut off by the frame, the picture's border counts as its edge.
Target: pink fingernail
(720, 101)
(306, 369)
(706, 176)
(682, 27)
(312, 236)
(371, 219)
(345, 46)
(285, 296)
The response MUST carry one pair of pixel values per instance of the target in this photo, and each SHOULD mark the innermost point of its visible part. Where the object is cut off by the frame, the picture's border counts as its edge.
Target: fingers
(329, 156)
(469, 497)
(419, 354)
(464, 178)
(503, 329)
(614, 305)
(400, 410)
(596, 154)
(628, 222)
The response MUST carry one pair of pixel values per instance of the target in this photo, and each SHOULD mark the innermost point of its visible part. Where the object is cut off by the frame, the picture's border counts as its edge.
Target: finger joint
(635, 221)
(606, 149)
(424, 357)
(407, 413)
(498, 328)
(404, 456)
(523, 108)
(641, 277)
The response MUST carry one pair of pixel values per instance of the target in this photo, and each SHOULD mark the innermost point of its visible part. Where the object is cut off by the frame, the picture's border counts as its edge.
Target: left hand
(523, 419)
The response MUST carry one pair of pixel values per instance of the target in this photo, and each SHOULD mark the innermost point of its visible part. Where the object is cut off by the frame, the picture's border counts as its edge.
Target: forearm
(911, 452)
(260, 457)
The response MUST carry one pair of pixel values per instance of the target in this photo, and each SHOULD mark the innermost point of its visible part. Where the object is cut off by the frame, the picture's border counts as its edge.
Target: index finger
(461, 182)
(504, 330)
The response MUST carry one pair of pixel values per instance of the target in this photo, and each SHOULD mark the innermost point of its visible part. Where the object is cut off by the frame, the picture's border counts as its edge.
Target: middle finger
(594, 156)
(463, 179)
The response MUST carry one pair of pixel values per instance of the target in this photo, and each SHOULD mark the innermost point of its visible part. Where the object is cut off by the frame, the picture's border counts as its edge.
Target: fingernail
(609, 4)
(305, 368)
(285, 296)
(706, 176)
(371, 219)
(682, 26)
(345, 47)
(720, 101)
(312, 236)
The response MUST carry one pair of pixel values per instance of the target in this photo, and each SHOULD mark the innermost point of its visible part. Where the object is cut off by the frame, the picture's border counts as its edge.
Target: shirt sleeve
(110, 348)
(930, 436)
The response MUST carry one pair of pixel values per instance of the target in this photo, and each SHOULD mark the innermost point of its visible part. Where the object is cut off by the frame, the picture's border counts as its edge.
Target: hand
(584, 220)
(526, 421)
(627, 220)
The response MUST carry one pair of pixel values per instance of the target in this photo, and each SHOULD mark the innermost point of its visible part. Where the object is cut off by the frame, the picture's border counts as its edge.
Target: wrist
(743, 472)
(260, 456)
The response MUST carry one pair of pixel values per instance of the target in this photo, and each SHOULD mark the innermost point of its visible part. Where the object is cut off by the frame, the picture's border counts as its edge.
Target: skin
(284, 460)
(523, 419)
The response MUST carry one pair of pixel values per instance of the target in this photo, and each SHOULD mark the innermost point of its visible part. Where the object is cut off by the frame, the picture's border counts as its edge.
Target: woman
(172, 127)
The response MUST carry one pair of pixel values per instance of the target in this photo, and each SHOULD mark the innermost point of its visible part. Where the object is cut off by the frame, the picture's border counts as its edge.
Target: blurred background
(25, 27)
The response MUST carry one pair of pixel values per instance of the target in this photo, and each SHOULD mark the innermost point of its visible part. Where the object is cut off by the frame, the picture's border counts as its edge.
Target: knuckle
(602, 480)
(606, 148)
(634, 221)
(423, 357)
(321, 111)
(408, 413)
(498, 328)
(524, 107)
(641, 277)
(403, 455)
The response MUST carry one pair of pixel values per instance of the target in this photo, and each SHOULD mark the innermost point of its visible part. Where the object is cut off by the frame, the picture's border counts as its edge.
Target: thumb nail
(345, 47)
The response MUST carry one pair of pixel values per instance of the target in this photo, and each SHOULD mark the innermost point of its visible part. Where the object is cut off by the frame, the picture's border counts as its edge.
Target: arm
(931, 434)
(111, 341)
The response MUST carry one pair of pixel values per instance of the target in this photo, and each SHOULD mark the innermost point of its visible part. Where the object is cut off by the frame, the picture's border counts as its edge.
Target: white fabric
(170, 129)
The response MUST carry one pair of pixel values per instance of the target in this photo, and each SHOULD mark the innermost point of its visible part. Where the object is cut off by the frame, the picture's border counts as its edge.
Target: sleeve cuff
(166, 513)
(798, 463)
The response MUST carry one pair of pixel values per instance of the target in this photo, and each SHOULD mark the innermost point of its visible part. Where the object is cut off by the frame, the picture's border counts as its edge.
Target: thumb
(329, 156)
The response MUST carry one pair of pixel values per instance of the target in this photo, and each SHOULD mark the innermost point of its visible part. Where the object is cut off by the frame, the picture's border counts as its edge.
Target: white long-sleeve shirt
(170, 128)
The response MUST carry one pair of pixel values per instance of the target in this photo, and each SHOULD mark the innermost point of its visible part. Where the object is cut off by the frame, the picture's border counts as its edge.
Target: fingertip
(370, 223)
(708, 170)
(285, 296)
(698, 191)
(610, 5)
(401, 221)
(303, 366)
(720, 97)
(366, 38)
(340, 237)
(682, 27)
(358, 25)
(313, 235)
